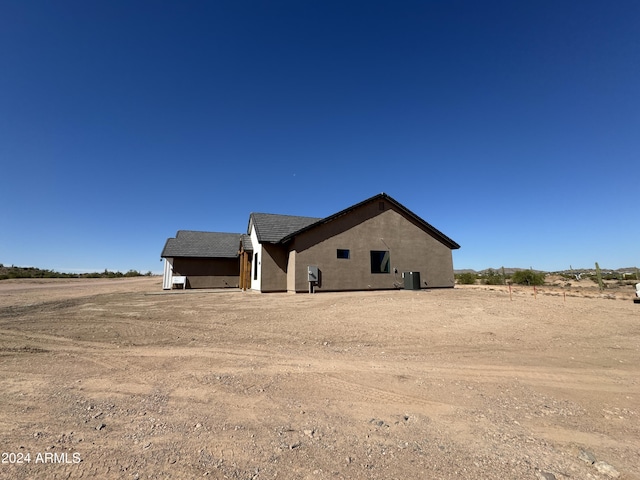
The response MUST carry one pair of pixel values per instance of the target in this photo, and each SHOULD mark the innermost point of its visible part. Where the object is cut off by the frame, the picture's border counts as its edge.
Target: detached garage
(202, 260)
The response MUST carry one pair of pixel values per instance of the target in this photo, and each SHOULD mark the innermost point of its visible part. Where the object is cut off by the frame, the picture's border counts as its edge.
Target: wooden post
(241, 259)
(247, 271)
(535, 293)
(244, 270)
(510, 297)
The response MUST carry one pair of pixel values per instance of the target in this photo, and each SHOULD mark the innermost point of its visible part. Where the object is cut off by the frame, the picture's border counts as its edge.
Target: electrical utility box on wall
(411, 280)
(313, 273)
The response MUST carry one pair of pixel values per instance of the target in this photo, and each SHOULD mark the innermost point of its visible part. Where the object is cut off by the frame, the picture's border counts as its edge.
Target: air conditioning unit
(411, 280)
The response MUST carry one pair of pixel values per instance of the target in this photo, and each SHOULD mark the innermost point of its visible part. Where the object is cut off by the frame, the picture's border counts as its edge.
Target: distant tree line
(33, 272)
(532, 277)
(494, 277)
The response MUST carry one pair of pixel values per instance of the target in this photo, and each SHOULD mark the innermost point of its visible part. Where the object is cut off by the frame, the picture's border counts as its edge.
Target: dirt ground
(116, 379)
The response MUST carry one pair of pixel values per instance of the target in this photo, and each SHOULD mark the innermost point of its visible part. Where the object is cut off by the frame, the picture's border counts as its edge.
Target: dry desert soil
(116, 379)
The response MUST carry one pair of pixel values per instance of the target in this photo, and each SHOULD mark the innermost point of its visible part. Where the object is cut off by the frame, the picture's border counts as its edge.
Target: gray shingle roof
(189, 243)
(272, 228)
(247, 245)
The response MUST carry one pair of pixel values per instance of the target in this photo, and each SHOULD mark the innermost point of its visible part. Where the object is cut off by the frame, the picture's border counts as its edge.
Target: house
(366, 246)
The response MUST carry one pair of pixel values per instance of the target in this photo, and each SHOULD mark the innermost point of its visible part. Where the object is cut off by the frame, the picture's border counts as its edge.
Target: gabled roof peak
(426, 226)
(276, 228)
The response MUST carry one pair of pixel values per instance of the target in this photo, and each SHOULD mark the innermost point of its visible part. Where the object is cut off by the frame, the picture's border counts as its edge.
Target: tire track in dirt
(604, 380)
(52, 342)
(375, 395)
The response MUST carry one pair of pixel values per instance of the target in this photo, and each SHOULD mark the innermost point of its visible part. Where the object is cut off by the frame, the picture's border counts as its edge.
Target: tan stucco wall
(291, 271)
(208, 272)
(274, 268)
(363, 230)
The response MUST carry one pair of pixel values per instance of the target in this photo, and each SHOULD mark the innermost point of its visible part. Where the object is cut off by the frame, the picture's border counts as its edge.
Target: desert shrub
(33, 272)
(528, 277)
(467, 278)
(493, 278)
(109, 274)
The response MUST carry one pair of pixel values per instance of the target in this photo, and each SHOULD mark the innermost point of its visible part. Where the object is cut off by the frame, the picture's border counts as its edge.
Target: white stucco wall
(257, 248)
(167, 276)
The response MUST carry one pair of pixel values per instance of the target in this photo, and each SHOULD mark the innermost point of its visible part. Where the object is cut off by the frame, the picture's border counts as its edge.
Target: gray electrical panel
(313, 273)
(411, 280)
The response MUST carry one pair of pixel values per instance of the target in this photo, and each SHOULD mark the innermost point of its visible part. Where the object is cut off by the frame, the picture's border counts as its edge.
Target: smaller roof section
(247, 244)
(271, 228)
(190, 243)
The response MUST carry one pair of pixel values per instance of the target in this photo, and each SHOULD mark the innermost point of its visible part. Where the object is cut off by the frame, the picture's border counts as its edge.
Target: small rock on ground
(604, 467)
(546, 476)
(587, 456)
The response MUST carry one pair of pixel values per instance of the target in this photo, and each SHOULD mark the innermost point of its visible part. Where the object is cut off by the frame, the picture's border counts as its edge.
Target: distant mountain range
(511, 271)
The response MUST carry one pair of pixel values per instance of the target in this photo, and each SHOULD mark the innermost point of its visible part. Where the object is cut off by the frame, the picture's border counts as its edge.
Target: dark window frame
(255, 266)
(343, 253)
(380, 261)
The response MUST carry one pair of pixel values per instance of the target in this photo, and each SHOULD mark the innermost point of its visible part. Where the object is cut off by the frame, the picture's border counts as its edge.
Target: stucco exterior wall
(274, 268)
(291, 271)
(167, 275)
(376, 226)
(208, 272)
(256, 266)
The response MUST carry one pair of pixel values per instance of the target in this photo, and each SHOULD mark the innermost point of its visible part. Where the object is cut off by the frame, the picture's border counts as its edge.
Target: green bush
(109, 274)
(493, 278)
(467, 278)
(528, 277)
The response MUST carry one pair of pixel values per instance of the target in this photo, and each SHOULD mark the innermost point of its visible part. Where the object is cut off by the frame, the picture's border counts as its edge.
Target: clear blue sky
(513, 127)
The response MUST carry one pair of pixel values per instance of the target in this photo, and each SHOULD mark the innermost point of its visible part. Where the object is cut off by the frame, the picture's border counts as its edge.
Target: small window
(255, 267)
(380, 261)
(343, 254)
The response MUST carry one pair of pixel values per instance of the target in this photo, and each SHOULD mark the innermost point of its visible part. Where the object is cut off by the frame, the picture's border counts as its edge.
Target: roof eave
(164, 249)
(182, 255)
